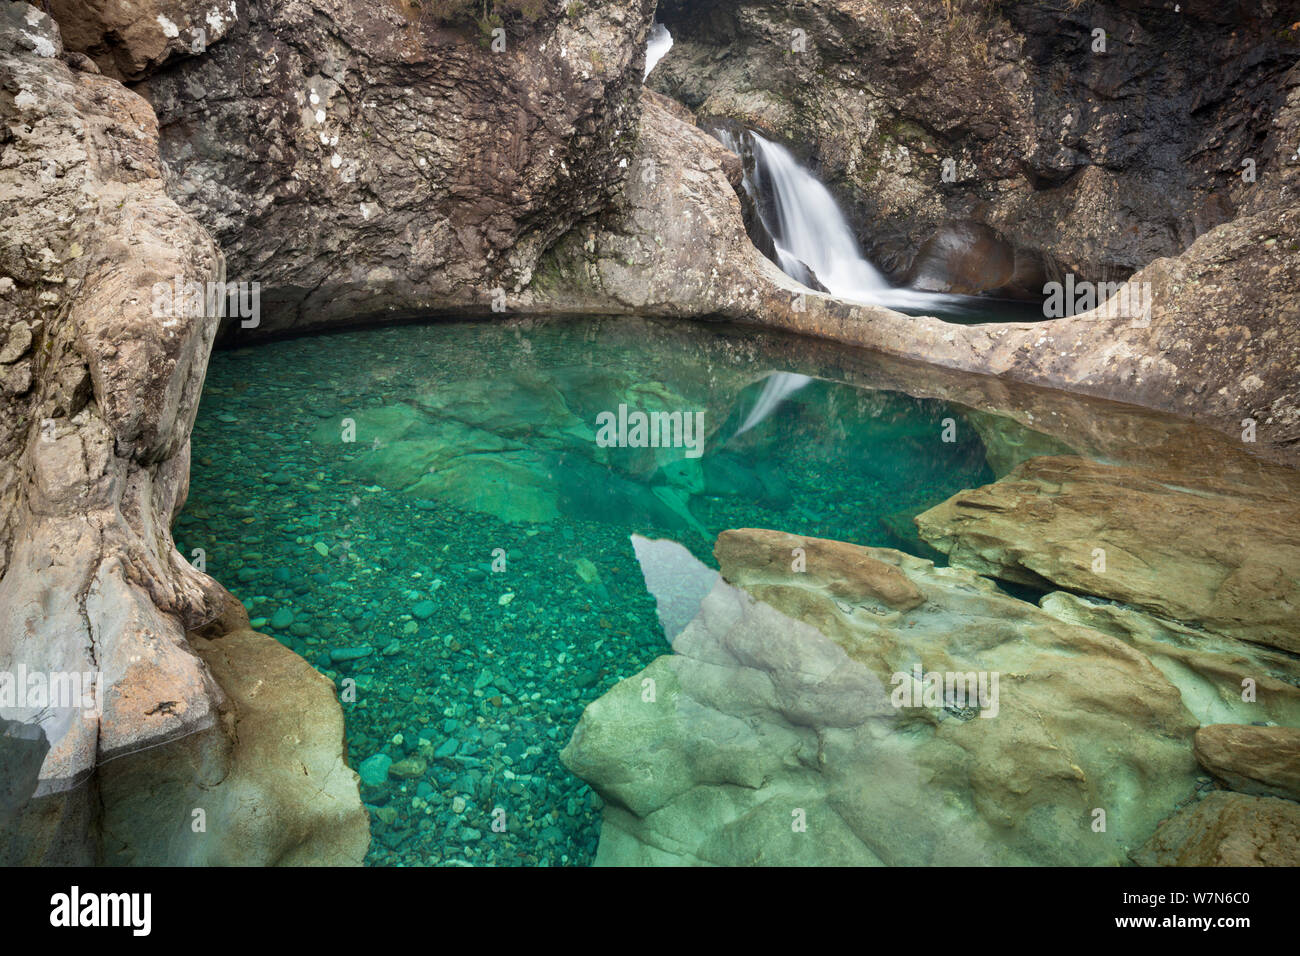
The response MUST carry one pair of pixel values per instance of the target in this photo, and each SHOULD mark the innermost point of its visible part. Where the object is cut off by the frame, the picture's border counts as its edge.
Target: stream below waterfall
(425, 510)
(438, 517)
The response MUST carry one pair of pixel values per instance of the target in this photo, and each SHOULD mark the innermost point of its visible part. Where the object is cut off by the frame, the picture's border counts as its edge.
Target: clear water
(477, 539)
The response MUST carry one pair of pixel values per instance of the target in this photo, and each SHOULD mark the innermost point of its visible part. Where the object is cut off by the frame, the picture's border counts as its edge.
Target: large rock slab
(1222, 681)
(1227, 829)
(771, 735)
(1198, 549)
(1262, 761)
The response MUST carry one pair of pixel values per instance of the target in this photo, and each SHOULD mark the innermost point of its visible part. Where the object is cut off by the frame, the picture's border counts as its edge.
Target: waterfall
(661, 42)
(813, 239)
(810, 232)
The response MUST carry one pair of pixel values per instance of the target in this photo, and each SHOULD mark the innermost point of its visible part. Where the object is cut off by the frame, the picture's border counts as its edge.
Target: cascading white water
(661, 42)
(810, 232)
(810, 229)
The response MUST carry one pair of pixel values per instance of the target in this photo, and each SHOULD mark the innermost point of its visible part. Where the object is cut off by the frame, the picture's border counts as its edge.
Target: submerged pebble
(472, 643)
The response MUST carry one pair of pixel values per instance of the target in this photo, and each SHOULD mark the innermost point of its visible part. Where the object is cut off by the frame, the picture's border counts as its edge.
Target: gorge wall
(1093, 138)
(359, 158)
(173, 758)
(409, 160)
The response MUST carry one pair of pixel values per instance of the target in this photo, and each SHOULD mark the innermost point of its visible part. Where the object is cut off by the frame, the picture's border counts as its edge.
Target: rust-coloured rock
(749, 556)
(1227, 829)
(1262, 761)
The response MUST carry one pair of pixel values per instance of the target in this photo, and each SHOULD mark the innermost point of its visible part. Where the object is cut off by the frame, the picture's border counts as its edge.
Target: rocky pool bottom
(436, 517)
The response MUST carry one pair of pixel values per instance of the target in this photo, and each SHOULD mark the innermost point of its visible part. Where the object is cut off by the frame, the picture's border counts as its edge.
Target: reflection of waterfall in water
(660, 43)
(776, 388)
(813, 239)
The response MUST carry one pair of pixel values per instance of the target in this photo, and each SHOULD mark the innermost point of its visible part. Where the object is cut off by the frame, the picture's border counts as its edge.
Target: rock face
(1204, 551)
(674, 244)
(129, 38)
(1227, 829)
(775, 732)
(400, 161)
(1262, 761)
(100, 388)
(1099, 160)
(1221, 681)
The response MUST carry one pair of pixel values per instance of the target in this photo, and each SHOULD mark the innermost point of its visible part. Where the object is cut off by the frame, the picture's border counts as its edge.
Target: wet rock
(374, 770)
(1218, 553)
(1007, 442)
(844, 571)
(1261, 761)
(447, 748)
(513, 447)
(678, 244)
(409, 768)
(776, 711)
(94, 459)
(1227, 829)
(1210, 672)
(269, 809)
(972, 258)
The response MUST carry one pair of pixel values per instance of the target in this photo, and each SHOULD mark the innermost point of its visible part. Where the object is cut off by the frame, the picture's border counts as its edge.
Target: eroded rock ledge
(100, 389)
(775, 734)
(1209, 551)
